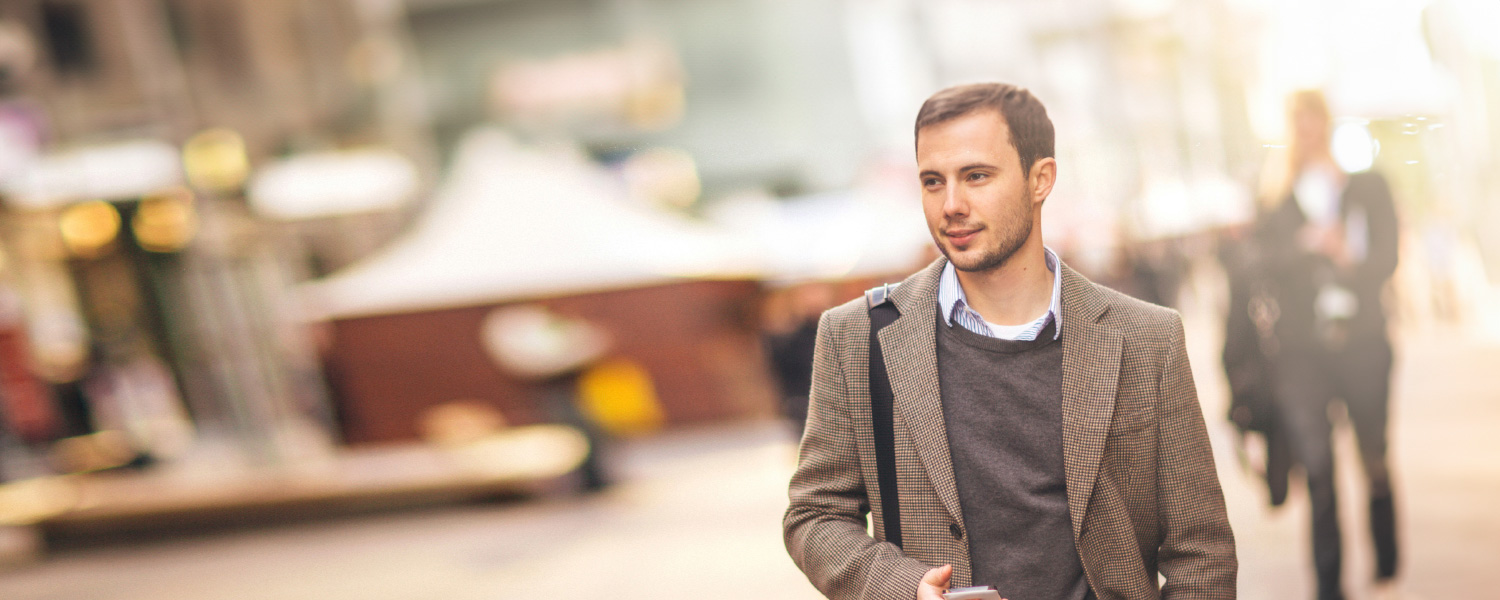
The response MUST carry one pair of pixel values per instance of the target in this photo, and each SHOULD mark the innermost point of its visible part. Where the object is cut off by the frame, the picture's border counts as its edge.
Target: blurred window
(211, 36)
(70, 43)
(222, 28)
(177, 26)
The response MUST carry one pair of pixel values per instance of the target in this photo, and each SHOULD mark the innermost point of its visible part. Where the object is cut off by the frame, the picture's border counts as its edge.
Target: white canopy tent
(514, 222)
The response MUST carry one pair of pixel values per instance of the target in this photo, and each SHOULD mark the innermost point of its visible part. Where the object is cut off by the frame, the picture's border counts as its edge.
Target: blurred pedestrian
(1248, 344)
(551, 351)
(791, 333)
(1328, 239)
(1009, 423)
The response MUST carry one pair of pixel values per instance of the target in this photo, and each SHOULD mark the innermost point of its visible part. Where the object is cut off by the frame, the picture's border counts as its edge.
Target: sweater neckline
(957, 333)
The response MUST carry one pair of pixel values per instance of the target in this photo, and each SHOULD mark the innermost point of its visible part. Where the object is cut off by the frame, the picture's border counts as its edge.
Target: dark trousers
(1307, 382)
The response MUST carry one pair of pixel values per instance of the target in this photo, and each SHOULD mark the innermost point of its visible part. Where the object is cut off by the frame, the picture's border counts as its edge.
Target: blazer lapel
(1090, 375)
(909, 346)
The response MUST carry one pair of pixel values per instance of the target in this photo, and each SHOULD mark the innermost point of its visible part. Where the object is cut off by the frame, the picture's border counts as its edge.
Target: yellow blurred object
(165, 222)
(93, 452)
(88, 227)
(28, 501)
(618, 396)
(216, 159)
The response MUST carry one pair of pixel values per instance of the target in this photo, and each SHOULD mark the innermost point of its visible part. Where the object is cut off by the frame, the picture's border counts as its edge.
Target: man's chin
(968, 262)
(975, 261)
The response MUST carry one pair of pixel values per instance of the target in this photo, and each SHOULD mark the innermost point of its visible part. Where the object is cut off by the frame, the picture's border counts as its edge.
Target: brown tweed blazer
(1142, 491)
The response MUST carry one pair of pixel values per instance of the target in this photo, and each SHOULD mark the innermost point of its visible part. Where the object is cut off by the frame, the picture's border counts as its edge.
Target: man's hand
(934, 583)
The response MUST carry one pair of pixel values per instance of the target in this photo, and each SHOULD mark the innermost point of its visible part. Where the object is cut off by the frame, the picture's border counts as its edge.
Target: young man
(1047, 438)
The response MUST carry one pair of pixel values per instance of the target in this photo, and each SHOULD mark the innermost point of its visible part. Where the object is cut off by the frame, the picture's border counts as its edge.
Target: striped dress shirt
(955, 307)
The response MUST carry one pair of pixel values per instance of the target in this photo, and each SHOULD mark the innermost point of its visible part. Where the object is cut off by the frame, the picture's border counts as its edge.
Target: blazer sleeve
(824, 527)
(1381, 247)
(1197, 556)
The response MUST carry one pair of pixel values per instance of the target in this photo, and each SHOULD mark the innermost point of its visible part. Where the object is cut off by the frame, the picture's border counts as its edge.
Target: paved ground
(699, 517)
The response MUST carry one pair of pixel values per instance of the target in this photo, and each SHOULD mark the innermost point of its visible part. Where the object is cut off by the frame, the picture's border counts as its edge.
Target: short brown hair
(1030, 129)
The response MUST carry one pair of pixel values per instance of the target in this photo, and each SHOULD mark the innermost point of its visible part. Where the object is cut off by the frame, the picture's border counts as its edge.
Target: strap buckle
(877, 296)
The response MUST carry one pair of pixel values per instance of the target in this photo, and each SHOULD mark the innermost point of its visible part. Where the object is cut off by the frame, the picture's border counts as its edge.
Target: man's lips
(961, 237)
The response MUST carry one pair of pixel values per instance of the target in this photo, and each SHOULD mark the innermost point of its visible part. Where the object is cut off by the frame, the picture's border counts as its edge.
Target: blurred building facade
(1166, 111)
(151, 300)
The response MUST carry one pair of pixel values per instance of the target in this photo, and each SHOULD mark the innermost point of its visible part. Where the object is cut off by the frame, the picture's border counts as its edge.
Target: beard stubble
(1012, 232)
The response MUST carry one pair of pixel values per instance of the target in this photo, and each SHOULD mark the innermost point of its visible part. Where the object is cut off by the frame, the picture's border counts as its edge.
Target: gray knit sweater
(1002, 403)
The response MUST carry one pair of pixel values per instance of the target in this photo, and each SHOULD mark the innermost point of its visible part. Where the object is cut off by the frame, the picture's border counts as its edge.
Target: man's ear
(1043, 176)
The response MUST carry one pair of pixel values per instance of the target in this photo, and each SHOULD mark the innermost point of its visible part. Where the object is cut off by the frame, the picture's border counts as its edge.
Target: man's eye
(977, 176)
(930, 182)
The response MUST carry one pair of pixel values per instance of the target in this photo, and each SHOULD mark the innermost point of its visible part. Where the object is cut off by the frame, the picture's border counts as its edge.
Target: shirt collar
(952, 300)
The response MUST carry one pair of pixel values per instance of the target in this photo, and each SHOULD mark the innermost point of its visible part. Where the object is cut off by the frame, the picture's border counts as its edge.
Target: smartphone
(972, 593)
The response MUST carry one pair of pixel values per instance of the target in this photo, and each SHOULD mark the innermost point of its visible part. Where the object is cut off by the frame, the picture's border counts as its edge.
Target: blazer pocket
(1133, 421)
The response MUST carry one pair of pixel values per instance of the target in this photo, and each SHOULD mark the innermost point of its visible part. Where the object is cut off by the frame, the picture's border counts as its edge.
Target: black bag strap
(882, 412)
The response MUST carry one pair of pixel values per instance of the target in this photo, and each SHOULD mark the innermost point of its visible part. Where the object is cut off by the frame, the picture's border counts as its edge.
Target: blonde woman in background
(1328, 239)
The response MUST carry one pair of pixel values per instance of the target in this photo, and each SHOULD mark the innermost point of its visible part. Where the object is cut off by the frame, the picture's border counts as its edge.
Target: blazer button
(958, 532)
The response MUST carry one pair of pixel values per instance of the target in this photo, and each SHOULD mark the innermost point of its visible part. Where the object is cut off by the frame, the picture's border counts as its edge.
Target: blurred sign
(334, 183)
(639, 84)
(106, 172)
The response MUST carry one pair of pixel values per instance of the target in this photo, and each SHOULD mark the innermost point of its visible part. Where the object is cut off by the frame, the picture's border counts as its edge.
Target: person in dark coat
(789, 341)
(1328, 242)
(1248, 344)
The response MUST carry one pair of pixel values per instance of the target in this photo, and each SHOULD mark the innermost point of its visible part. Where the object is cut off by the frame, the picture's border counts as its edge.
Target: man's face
(979, 205)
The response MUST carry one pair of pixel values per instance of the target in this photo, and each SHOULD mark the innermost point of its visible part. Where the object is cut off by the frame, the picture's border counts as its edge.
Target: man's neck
(1014, 293)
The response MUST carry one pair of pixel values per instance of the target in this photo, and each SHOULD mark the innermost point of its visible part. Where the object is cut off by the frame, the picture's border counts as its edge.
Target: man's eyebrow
(965, 168)
(975, 166)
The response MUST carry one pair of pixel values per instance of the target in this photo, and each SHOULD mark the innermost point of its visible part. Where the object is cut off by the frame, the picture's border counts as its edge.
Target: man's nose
(955, 202)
